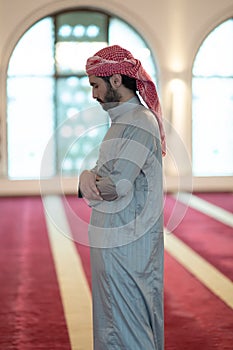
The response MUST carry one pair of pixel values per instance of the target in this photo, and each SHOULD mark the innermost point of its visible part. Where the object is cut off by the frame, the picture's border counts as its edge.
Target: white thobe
(126, 233)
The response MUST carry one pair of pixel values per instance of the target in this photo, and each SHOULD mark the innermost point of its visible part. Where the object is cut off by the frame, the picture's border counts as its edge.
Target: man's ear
(116, 81)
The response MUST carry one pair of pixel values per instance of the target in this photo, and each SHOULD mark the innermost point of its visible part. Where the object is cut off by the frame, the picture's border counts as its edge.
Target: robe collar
(123, 108)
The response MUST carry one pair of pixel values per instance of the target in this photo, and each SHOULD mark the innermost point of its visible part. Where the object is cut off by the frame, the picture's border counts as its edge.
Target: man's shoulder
(144, 113)
(145, 119)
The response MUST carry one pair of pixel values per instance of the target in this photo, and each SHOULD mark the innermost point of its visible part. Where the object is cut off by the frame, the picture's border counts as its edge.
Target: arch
(211, 139)
(204, 30)
(55, 78)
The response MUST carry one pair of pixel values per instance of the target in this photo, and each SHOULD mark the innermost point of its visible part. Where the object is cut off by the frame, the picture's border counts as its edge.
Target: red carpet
(31, 313)
(207, 236)
(223, 200)
(194, 317)
(32, 316)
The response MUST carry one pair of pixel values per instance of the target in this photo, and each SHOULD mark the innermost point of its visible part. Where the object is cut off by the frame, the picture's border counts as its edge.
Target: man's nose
(94, 94)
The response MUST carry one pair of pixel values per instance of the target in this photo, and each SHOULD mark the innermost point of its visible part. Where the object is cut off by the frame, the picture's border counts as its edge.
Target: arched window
(212, 128)
(48, 90)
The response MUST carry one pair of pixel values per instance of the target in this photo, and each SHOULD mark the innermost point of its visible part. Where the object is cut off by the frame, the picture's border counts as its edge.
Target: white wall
(174, 30)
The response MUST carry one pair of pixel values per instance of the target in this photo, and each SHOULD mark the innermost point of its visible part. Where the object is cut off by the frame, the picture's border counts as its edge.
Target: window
(212, 86)
(50, 107)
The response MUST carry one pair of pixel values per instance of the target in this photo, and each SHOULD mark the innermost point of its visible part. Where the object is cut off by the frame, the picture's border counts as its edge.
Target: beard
(111, 99)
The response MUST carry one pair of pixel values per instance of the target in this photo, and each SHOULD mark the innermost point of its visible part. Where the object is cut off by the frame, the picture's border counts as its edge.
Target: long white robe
(126, 234)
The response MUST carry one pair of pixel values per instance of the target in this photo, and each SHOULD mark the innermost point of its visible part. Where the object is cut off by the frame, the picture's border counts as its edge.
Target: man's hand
(87, 185)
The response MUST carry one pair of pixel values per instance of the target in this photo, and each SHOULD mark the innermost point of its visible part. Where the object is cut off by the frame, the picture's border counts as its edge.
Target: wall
(174, 30)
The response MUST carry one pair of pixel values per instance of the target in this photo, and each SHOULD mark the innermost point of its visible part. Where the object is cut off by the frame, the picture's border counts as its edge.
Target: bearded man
(125, 191)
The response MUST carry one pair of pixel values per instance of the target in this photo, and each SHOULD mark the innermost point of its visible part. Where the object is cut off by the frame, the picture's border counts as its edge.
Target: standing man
(125, 191)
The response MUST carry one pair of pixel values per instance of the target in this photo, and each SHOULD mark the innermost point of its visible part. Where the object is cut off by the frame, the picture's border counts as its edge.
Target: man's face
(103, 92)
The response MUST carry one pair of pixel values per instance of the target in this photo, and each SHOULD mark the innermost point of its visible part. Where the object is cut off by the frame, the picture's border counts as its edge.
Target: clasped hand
(87, 185)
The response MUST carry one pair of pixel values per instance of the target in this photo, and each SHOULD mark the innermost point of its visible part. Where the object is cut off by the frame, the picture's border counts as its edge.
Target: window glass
(129, 38)
(215, 56)
(81, 125)
(75, 31)
(79, 140)
(34, 54)
(212, 116)
(30, 125)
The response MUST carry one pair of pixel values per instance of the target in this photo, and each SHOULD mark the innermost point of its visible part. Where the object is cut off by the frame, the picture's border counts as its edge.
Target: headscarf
(117, 60)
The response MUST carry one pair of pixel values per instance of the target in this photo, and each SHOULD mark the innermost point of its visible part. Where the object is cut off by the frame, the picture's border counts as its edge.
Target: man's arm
(106, 188)
(135, 149)
(87, 186)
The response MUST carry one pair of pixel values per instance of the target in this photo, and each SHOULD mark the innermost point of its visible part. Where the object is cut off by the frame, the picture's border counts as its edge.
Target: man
(126, 195)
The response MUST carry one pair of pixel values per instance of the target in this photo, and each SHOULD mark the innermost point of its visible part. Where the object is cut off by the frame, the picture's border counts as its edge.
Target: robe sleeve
(93, 170)
(107, 189)
(135, 147)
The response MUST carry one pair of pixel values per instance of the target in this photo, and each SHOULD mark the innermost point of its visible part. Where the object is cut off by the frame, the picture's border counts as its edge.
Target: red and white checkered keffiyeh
(116, 60)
